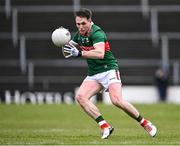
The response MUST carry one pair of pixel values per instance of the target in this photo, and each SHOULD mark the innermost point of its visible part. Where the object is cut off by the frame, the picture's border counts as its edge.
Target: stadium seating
(38, 25)
(175, 49)
(9, 52)
(5, 25)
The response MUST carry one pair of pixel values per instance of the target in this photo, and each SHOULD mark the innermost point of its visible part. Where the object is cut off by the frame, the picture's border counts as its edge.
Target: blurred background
(144, 36)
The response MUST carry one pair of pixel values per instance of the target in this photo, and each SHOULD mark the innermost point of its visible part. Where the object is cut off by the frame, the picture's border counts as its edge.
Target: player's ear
(90, 20)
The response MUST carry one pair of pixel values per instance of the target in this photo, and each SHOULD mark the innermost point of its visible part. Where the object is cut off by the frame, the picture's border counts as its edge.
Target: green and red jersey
(86, 43)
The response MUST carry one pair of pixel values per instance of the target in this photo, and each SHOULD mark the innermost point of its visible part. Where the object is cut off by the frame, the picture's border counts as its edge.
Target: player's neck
(89, 31)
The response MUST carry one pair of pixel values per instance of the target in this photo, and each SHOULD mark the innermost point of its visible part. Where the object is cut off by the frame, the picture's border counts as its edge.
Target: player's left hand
(70, 50)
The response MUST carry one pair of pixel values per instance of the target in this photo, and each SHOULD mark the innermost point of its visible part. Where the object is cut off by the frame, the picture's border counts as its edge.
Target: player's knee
(80, 98)
(117, 102)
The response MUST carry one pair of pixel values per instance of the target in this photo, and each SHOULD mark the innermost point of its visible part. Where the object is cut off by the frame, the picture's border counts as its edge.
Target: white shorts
(105, 78)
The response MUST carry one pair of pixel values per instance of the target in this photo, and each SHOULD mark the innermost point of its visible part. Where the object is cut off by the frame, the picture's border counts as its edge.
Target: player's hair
(84, 12)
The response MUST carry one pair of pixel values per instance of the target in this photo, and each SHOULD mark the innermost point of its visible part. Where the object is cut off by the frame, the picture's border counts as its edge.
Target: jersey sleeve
(98, 36)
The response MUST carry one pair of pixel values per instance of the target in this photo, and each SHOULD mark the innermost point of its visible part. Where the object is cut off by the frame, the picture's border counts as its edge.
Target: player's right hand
(70, 50)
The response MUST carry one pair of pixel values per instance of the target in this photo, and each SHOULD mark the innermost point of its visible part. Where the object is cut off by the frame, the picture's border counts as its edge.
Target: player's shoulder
(96, 28)
(97, 31)
(76, 34)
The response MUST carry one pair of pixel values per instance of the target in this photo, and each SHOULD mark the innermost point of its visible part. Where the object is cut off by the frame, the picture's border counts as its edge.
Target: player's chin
(81, 32)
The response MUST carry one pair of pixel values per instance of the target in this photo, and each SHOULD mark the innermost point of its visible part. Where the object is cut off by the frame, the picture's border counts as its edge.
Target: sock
(102, 123)
(139, 118)
(143, 122)
(99, 119)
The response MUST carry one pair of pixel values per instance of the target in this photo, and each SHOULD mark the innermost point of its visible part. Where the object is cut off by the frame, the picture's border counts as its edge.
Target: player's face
(83, 24)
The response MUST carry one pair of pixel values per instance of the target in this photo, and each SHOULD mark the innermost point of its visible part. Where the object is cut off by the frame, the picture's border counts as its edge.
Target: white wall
(146, 94)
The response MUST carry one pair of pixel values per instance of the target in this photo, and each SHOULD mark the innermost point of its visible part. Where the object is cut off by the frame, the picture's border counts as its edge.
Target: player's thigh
(88, 89)
(115, 92)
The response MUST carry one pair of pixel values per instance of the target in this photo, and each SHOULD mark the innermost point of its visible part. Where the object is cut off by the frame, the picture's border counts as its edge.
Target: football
(61, 36)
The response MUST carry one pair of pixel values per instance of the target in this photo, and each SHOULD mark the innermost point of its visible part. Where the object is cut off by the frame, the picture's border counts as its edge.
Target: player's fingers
(67, 52)
(66, 49)
(71, 45)
(68, 46)
(67, 56)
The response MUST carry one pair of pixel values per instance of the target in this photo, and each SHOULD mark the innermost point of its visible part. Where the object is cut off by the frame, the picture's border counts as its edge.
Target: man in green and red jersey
(90, 42)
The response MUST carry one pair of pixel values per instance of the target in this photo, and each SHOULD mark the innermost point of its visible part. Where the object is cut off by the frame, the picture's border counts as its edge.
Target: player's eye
(83, 23)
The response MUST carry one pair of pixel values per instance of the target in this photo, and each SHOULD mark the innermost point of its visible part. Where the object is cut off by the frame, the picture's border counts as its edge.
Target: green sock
(139, 118)
(99, 119)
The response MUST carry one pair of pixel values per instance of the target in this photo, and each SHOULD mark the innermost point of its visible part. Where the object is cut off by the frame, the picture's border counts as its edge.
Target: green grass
(69, 125)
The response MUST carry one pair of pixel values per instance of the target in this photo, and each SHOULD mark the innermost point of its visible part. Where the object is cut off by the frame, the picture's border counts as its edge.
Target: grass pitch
(69, 125)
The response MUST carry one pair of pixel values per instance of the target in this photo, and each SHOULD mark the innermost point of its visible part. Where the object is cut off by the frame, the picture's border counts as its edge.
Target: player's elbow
(101, 56)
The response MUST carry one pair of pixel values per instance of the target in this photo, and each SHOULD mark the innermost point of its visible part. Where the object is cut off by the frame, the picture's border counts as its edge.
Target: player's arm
(72, 50)
(98, 39)
(97, 53)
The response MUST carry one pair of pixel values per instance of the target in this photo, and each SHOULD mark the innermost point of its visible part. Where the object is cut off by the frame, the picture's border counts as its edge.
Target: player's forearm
(94, 54)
